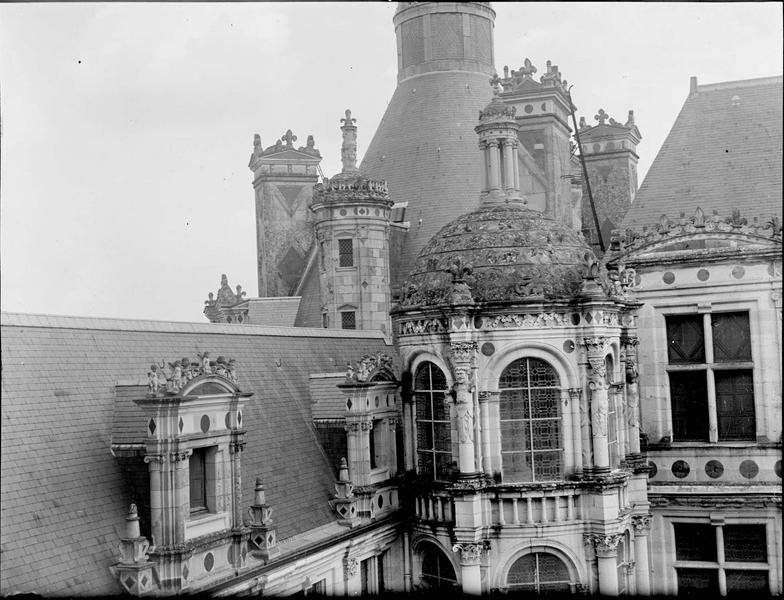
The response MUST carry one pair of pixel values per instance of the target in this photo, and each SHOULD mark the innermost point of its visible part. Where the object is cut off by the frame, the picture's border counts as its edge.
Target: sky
(127, 128)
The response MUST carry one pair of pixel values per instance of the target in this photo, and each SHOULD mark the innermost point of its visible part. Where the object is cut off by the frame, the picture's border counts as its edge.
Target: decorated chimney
(352, 214)
(227, 306)
(193, 445)
(610, 152)
(283, 179)
(371, 420)
(546, 166)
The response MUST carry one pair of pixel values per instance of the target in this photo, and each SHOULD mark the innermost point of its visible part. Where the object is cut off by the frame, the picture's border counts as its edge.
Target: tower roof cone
(425, 146)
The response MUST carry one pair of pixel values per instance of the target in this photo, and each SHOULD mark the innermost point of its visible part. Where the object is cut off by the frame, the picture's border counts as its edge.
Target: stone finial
(583, 124)
(343, 470)
(552, 76)
(132, 523)
(259, 496)
(601, 116)
(257, 148)
(348, 151)
(630, 120)
(289, 138)
(527, 70)
(495, 83)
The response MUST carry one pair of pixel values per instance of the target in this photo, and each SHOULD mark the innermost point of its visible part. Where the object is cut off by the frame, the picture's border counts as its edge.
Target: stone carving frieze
(472, 552)
(172, 379)
(539, 320)
(420, 326)
(371, 367)
(350, 568)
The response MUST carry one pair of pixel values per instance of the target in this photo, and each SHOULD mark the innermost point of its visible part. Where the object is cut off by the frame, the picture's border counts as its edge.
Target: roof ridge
(724, 85)
(14, 319)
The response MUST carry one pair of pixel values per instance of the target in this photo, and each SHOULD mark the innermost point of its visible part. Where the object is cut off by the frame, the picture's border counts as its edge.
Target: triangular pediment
(290, 154)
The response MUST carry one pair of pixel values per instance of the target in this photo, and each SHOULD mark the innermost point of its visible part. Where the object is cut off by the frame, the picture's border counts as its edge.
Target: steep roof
(723, 152)
(427, 151)
(64, 496)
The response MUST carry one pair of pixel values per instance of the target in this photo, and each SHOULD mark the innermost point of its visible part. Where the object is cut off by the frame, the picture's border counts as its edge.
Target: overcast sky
(127, 128)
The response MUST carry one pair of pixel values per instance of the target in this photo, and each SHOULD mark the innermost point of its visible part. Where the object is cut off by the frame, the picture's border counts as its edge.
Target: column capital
(462, 351)
(472, 552)
(598, 375)
(630, 340)
(350, 568)
(641, 524)
(180, 456)
(605, 545)
(595, 345)
(574, 393)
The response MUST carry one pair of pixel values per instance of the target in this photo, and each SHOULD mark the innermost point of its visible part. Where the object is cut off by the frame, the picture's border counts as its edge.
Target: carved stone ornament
(179, 373)
(539, 320)
(463, 351)
(595, 345)
(180, 456)
(465, 422)
(641, 524)
(472, 552)
(604, 545)
(371, 367)
(423, 326)
(350, 568)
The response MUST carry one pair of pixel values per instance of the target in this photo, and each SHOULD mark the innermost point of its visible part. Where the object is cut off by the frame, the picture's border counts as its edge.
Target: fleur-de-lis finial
(601, 117)
(348, 121)
(528, 69)
(289, 138)
(495, 82)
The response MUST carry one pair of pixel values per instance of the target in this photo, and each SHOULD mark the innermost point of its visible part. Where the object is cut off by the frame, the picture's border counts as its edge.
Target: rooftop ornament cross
(289, 138)
(601, 117)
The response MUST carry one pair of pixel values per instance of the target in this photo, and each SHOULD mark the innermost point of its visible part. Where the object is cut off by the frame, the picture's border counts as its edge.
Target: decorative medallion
(568, 346)
(151, 426)
(652, 469)
(209, 561)
(488, 349)
(703, 274)
(680, 468)
(668, 277)
(714, 469)
(749, 469)
(205, 423)
(738, 272)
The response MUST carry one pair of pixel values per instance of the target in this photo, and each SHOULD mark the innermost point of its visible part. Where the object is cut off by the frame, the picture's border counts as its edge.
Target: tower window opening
(346, 253)
(348, 320)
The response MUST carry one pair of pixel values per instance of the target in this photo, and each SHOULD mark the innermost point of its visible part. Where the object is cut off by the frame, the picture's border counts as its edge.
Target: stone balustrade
(434, 508)
(533, 508)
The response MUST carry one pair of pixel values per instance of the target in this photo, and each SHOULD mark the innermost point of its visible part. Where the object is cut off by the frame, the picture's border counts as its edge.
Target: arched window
(433, 427)
(531, 447)
(437, 571)
(539, 572)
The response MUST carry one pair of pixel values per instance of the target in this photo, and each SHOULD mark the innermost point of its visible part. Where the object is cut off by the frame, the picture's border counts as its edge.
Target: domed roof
(501, 253)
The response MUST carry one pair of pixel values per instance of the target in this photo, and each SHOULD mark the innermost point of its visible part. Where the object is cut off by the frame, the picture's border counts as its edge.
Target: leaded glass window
(539, 572)
(531, 445)
(710, 373)
(433, 426)
(346, 252)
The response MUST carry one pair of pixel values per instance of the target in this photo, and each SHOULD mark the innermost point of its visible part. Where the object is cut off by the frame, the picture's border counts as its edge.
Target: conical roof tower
(425, 144)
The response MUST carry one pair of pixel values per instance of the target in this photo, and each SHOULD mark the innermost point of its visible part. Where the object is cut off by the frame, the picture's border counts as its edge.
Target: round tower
(352, 216)
(424, 145)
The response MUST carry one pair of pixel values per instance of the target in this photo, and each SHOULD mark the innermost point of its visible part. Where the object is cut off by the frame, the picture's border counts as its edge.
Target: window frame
(341, 255)
(557, 421)
(535, 586)
(429, 548)
(343, 316)
(710, 367)
(201, 455)
(721, 565)
(431, 394)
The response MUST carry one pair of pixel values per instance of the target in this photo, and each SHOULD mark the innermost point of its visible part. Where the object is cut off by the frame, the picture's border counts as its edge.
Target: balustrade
(529, 509)
(434, 508)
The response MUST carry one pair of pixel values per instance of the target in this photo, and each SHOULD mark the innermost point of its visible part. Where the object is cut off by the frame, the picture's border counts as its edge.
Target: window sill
(204, 523)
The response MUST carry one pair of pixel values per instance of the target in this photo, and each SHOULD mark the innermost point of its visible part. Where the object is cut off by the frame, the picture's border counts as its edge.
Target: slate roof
(328, 402)
(724, 151)
(280, 311)
(63, 496)
(427, 151)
